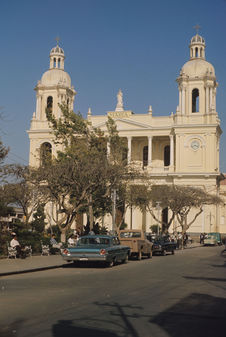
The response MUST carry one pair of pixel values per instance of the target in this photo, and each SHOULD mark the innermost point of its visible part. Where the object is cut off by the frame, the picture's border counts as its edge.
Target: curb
(30, 270)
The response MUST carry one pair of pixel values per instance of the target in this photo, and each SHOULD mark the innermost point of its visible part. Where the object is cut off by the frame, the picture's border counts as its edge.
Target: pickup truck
(137, 241)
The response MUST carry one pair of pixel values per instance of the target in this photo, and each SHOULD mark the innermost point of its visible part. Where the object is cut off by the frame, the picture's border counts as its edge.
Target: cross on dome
(197, 27)
(57, 40)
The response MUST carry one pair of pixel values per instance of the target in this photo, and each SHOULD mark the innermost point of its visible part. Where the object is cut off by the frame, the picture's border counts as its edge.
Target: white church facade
(181, 148)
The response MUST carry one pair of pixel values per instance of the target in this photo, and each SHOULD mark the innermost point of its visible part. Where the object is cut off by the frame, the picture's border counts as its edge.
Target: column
(171, 150)
(149, 150)
(211, 98)
(207, 100)
(38, 107)
(214, 98)
(129, 149)
(183, 100)
(180, 100)
(58, 108)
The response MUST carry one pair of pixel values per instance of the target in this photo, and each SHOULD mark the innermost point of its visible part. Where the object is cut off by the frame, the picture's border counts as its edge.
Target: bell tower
(197, 82)
(196, 123)
(53, 89)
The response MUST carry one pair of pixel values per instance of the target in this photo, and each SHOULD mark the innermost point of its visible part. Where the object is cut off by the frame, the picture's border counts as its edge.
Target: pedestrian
(201, 238)
(14, 243)
(54, 243)
(72, 241)
(185, 239)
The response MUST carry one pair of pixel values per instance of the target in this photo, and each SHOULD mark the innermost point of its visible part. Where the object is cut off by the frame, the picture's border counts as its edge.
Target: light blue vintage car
(98, 248)
(212, 239)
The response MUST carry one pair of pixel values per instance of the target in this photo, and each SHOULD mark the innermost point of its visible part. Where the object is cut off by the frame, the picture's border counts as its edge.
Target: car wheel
(172, 252)
(111, 263)
(139, 255)
(149, 255)
(163, 252)
(125, 260)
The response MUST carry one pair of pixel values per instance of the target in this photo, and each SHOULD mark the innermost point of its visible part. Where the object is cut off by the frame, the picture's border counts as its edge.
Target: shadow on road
(205, 278)
(197, 315)
(68, 329)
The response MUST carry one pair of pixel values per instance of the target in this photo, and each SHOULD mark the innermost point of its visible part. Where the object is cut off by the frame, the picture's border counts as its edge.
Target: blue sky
(138, 46)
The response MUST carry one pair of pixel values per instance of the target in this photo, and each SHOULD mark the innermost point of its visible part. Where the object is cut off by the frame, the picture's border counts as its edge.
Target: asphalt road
(181, 295)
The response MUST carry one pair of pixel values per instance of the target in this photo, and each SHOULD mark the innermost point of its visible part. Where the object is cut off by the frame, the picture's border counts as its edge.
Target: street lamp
(158, 208)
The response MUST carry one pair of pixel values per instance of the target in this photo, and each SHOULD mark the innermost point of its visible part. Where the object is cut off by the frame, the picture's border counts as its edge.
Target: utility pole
(113, 196)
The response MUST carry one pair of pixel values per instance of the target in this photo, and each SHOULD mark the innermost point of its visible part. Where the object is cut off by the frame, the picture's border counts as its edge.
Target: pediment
(125, 124)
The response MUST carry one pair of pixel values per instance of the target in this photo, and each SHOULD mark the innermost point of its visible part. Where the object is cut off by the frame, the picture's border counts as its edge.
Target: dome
(198, 68)
(56, 76)
(197, 39)
(57, 50)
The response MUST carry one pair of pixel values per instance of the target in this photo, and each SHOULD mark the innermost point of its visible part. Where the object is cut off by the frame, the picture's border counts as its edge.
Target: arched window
(167, 155)
(68, 103)
(45, 153)
(195, 100)
(196, 52)
(50, 103)
(145, 156)
(59, 63)
(54, 62)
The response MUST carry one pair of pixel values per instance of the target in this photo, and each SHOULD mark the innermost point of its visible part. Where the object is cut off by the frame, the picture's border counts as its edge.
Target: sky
(136, 46)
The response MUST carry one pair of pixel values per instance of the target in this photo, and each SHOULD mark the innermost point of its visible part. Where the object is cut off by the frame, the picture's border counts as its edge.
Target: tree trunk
(63, 235)
(91, 213)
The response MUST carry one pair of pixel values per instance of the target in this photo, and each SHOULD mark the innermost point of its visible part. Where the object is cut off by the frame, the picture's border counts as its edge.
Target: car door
(119, 252)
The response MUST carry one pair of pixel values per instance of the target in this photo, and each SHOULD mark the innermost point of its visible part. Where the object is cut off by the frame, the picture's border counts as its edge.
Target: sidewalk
(30, 264)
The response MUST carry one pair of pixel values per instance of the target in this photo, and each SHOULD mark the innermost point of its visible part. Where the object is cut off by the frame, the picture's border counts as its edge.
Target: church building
(181, 148)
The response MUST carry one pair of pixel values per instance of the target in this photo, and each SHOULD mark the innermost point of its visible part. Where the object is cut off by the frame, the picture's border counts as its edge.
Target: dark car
(162, 246)
(97, 248)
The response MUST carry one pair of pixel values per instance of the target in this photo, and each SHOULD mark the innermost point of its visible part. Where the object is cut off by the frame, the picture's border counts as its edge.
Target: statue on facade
(119, 106)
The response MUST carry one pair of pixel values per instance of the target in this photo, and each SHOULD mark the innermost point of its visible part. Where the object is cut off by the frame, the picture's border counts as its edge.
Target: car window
(93, 241)
(116, 241)
(130, 234)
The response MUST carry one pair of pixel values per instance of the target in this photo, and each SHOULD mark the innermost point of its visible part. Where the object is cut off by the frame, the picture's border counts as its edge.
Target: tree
(179, 199)
(38, 224)
(183, 199)
(22, 191)
(82, 174)
(3, 153)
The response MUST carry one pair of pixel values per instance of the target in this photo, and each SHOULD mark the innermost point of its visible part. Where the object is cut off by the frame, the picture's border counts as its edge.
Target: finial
(150, 110)
(89, 112)
(197, 27)
(119, 106)
(57, 40)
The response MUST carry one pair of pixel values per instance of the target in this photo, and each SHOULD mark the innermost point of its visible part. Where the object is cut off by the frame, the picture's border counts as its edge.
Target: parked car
(97, 248)
(212, 239)
(162, 245)
(137, 241)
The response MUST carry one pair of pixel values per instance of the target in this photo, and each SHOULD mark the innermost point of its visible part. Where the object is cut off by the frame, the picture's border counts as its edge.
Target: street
(181, 295)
